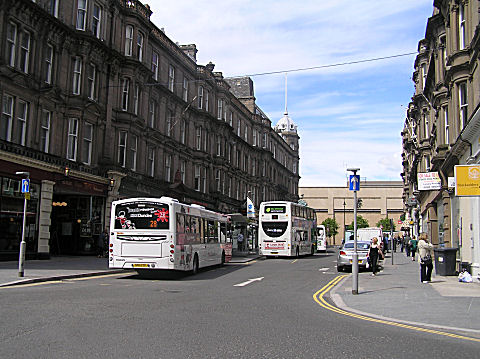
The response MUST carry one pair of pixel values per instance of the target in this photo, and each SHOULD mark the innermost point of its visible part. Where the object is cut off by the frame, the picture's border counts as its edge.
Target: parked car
(345, 254)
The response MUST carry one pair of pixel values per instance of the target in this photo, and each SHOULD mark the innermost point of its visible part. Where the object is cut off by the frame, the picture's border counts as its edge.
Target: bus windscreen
(142, 215)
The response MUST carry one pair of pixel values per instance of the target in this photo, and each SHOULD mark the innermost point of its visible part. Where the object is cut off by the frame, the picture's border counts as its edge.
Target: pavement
(397, 294)
(64, 267)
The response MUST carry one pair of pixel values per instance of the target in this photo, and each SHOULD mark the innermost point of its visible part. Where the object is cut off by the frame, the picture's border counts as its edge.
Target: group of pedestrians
(425, 254)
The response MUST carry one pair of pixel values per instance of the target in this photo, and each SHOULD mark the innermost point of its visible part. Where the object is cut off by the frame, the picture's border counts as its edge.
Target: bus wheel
(195, 264)
(223, 258)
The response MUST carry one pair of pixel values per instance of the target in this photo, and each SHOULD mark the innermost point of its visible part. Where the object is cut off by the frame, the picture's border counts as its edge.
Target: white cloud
(347, 115)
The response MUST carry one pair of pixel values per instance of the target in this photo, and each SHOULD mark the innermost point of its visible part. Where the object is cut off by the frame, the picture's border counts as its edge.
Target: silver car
(345, 254)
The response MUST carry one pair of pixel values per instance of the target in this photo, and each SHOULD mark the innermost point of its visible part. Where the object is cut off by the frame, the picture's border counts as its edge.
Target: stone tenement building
(99, 104)
(442, 128)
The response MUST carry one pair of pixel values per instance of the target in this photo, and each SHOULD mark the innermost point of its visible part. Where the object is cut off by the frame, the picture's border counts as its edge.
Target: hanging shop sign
(429, 181)
(467, 180)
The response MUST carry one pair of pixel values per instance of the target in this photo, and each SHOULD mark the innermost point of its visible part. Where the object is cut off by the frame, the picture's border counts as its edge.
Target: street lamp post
(354, 185)
(344, 224)
(23, 244)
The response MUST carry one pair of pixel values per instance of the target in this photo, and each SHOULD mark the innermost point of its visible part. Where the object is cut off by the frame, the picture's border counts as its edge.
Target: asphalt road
(203, 316)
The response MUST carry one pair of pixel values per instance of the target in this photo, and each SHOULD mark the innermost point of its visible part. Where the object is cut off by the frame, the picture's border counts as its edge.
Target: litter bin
(445, 261)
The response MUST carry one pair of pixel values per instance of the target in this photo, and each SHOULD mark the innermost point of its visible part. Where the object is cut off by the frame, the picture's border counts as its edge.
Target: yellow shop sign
(467, 180)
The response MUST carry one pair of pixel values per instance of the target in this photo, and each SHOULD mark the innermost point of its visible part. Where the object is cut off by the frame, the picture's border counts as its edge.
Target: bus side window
(223, 232)
(203, 232)
(188, 224)
(196, 229)
(180, 223)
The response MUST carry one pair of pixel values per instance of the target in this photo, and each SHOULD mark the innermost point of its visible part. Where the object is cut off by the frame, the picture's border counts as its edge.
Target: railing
(138, 7)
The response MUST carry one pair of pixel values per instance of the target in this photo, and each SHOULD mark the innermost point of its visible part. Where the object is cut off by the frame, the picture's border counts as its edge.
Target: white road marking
(324, 269)
(248, 282)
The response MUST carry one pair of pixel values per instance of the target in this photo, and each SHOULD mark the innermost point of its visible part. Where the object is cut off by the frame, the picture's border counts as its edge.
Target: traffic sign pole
(23, 244)
(354, 186)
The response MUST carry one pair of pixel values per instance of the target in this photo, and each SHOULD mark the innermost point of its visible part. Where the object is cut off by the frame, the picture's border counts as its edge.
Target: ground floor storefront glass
(11, 217)
(77, 221)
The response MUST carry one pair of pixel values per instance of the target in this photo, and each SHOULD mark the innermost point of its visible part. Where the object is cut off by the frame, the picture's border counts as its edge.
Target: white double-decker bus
(160, 233)
(286, 229)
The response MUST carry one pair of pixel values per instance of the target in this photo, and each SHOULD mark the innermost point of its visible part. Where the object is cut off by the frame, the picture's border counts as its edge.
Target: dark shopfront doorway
(76, 224)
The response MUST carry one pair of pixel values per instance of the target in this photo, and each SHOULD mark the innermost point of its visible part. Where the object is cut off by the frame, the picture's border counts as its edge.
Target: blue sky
(347, 116)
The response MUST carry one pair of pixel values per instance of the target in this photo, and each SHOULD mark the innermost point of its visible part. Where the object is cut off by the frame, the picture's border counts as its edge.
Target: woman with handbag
(425, 254)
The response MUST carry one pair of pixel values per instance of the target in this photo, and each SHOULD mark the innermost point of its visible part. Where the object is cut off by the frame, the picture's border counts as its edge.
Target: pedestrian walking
(373, 253)
(102, 243)
(240, 241)
(425, 254)
(413, 247)
(407, 245)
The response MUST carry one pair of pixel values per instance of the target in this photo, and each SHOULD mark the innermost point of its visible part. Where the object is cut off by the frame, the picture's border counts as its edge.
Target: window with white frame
(87, 143)
(461, 26)
(463, 101)
(171, 77)
(205, 141)
(151, 161)
(72, 139)
(185, 89)
(21, 122)
(133, 152)
(125, 91)
(424, 76)
(81, 14)
(200, 97)
(169, 123)
(152, 105)
(182, 170)
(254, 137)
(155, 65)
(128, 40)
(246, 133)
(168, 167)
(427, 163)
(140, 46)
(426, 126)
(122, 148)
(25, 52)
(183, 126)
(197, 181)
(136, 98)
(48, 63)
(204, 180)
(447, 125)
(229, 189)
(96, 20)
(217, 180)
(11, 43)
(45, 131)
(77, 75)
(52, 7)
(198, 138)
(91, 79)
(239, 127)
(219, 146)
(7, 118)
(219, 109)
(207, 100)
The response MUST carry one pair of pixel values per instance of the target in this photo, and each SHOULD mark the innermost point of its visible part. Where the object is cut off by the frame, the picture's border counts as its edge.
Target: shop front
(11, 218)
(78, 212)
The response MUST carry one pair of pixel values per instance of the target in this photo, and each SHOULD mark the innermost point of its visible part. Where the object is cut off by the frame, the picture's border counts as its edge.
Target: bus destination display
(142, 215)
(275, 209)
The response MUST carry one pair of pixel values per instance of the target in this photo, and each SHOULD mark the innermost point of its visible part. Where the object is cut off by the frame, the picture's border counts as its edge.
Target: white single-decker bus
(161, 233)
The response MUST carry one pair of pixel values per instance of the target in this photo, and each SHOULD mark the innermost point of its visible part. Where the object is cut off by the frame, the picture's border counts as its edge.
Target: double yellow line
(318, 297)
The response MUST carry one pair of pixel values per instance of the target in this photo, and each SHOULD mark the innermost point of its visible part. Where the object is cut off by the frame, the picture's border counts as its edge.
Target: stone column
(44, 220)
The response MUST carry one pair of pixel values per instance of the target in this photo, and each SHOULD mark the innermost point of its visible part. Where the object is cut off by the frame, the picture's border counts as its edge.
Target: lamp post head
(354, 170)
(27, 174)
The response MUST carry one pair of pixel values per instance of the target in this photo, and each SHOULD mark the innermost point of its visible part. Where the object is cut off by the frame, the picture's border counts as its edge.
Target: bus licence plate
(140, 265)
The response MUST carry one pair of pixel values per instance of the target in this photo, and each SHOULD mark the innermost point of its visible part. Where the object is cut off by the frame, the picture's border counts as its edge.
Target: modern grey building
(99, 104)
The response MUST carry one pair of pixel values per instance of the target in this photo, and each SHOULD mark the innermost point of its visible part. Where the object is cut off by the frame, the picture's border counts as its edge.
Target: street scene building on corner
(98, 103)
(442, 131)
(379, 200)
